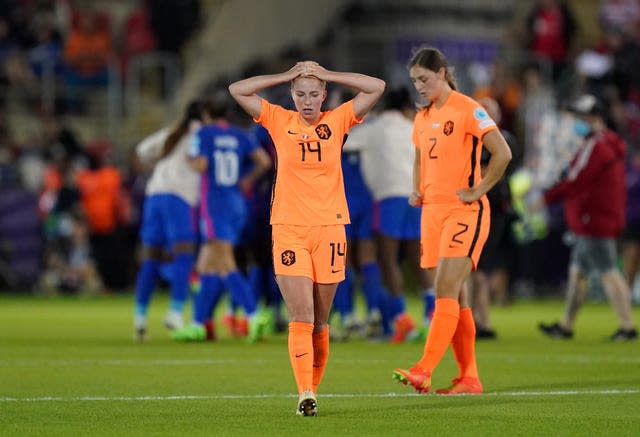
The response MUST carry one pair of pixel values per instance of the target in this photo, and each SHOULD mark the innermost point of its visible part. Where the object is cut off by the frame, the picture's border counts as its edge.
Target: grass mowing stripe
(486, 356)
(609, 392)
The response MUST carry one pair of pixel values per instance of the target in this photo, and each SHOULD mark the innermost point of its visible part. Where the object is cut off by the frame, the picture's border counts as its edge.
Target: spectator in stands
(551, 27)
(46, 56)
(87, 54)
(138, 36)
(621, 14)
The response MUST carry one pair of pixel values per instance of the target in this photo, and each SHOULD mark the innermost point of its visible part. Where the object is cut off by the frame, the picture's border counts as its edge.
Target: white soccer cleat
(307, 404)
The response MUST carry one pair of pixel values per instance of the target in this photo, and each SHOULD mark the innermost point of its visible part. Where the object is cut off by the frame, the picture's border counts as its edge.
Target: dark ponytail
(192, 112)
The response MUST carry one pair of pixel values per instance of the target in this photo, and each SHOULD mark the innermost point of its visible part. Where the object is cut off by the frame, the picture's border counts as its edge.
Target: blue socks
(241, 292)
(205, 300)
(145, 285)
(182, 265)
(343, 301)
(372, 286)
(429, 300)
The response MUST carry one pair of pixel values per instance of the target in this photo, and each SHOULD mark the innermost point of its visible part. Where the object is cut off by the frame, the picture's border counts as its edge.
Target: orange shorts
(317, 252)
(453, 230)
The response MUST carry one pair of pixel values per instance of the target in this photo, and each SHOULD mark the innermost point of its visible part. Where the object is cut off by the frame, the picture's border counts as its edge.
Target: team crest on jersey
(323, 131)
(448, 128)
(288, 257)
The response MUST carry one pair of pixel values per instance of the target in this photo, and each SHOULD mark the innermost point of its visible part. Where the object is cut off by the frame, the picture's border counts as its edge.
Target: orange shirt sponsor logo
(309, 188)
(450, 144)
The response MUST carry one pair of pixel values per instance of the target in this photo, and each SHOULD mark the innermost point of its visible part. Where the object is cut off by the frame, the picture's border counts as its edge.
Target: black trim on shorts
(476, 141)
(472, 178)
(274, 182)
(477, 233)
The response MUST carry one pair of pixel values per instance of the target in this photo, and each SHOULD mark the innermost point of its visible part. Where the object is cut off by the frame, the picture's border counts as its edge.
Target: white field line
(608, 392)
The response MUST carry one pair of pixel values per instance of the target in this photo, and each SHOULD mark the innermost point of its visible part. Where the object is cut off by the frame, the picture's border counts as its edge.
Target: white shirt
(387, 154)
(172, 174)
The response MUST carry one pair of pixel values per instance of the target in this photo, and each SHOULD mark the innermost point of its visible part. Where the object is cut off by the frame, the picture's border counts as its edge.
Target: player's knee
(183, 247)
(153, 253)
(447, 286)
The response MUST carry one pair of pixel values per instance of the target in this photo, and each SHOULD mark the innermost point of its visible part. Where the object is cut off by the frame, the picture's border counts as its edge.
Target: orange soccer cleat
(419, 378)
(404, 328)
(462, 385)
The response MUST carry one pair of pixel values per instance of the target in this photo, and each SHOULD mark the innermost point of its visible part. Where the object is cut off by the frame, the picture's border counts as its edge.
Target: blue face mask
(581, 128)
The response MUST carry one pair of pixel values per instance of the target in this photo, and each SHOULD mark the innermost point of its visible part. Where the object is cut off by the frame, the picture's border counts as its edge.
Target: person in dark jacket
(594, 194)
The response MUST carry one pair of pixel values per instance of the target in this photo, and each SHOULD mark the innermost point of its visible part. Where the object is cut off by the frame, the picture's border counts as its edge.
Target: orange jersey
(100, 197)
(88, 53)
(309, 188)
(450, 144)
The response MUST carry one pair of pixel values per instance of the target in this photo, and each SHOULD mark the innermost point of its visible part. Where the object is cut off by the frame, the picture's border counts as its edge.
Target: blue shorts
(223, 218)
(361, 214)
(166, 219)
(394, 217)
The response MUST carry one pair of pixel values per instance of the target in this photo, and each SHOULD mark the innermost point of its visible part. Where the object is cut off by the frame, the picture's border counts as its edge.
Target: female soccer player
(219, 152)
(449, 135)
(309, 209)
(167, 222)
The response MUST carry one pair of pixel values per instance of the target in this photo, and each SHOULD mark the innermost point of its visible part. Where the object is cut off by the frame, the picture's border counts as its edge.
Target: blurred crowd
(70, 211)
(67, 216)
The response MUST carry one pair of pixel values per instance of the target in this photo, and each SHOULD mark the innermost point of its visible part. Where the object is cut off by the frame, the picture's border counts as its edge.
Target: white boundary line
(609, 392)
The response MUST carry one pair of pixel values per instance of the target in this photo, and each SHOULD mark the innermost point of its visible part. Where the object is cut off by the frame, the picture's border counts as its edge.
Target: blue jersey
(359, 198)
(354, 184)
(223, 207)
(227, 150)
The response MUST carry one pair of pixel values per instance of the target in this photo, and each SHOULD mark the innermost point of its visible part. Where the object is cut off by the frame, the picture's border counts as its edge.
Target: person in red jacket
(594, 194)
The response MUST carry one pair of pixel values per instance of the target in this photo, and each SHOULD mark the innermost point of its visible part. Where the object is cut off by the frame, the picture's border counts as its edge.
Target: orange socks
(463, 344)
(320, 355)
(443, 326)
(301, 354)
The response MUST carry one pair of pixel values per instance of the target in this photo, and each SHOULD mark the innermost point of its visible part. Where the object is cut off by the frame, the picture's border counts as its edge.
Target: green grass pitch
(68, 367)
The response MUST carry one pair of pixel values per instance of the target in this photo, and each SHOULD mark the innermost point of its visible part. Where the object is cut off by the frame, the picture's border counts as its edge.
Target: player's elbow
(234, 90)
(508, 156)
(378, 86)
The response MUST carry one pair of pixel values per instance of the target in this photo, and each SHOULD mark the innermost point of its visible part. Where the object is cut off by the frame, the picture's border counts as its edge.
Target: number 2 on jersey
(432, 153)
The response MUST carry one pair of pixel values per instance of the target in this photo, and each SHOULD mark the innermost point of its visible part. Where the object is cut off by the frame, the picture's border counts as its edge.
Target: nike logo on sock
(292, 132)
(336, 271)
(302, 355)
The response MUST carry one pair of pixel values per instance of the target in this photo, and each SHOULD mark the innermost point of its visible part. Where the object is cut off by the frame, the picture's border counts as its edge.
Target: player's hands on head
(297, 70)
(308, 69)
(317, 70)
